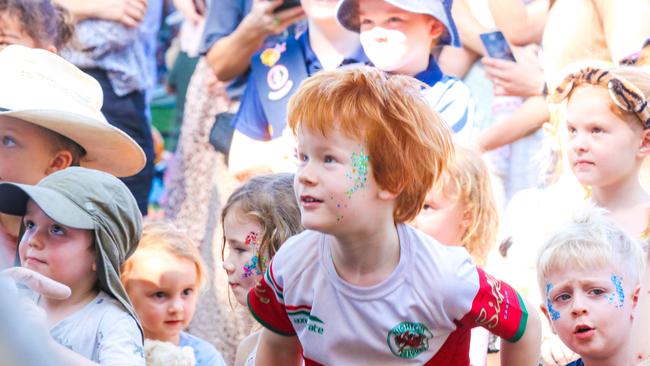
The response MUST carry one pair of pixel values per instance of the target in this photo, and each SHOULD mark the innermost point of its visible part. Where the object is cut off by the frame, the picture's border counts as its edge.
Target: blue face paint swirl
(554, 314)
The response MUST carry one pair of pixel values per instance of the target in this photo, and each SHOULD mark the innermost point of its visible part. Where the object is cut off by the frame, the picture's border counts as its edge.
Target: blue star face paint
(552, 312)
(617, 299)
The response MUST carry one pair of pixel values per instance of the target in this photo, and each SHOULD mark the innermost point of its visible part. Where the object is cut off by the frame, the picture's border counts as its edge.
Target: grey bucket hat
(89, 199)
(347, 14)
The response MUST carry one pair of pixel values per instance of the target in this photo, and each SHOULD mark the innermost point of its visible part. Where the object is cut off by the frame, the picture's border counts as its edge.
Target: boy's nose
(578, 307)
(176, 305)
(306, 176)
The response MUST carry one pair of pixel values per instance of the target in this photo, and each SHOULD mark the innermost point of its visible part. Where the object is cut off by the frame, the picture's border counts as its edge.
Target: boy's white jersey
(421, 314)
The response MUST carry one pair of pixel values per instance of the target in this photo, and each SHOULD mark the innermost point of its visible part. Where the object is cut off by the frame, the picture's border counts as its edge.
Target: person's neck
(58, 310)
(621, 195)
(331, 42)
(366, 258)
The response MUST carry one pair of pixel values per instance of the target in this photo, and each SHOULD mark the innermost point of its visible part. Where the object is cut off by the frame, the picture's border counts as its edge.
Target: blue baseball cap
(347, 14)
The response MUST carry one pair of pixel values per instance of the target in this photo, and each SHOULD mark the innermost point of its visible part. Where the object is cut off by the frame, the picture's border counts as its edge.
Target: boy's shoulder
(299, 252)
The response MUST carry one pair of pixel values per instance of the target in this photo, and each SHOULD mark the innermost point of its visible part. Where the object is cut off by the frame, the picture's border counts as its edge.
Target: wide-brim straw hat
(40, 87)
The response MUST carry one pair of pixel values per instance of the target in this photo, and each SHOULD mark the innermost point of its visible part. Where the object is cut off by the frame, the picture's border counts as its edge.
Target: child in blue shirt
(398, 36)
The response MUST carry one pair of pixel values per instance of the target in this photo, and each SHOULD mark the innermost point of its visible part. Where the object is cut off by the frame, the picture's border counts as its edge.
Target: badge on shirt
(277, 77)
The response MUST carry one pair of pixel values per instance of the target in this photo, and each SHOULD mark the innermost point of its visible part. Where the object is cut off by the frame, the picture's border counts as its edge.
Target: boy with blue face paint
(589, 273)
(398, 37)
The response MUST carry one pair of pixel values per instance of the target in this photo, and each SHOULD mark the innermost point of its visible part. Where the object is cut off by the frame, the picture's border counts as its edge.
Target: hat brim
(347, 14)
(14, 197)
(107, 148)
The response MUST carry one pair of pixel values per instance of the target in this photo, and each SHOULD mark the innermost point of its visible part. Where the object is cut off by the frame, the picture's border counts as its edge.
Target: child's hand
(555, 353)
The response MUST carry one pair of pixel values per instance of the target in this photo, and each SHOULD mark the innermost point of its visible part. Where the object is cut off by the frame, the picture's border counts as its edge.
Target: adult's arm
(528, 118)
(625, 25)
(127, 12)
(468, 26)
(277, 350)
(230, 55)
(521, 24)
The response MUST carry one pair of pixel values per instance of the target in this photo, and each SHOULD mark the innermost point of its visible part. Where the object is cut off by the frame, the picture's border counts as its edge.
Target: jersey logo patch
(301, 315)
(409, 339)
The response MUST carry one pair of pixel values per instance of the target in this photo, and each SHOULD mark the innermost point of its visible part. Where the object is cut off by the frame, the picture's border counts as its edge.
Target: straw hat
(39, 87)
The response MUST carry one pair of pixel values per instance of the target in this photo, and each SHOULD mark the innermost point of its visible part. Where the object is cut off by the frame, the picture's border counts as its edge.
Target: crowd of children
(378, 248)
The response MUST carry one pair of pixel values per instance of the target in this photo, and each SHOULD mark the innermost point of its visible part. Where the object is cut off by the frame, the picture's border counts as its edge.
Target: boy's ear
(386, 195)
(548, 317)
(635, 295)
(61, 160)
(437, 28)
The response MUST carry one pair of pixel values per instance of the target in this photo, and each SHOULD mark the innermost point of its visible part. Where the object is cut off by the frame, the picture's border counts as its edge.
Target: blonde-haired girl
(163, 279)
(461, 210)
(257, 219)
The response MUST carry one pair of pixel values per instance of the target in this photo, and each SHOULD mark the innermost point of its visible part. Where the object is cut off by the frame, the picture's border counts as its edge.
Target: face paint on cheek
(253, 266)
(554, 314)
(617, 299)
(359, 175)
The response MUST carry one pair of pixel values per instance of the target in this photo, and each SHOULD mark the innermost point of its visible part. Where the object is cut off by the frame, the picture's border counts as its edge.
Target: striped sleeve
(498, 308)
(452, 99)
(266, 303)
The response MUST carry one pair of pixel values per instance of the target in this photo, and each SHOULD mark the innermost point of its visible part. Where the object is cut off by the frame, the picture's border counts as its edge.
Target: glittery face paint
(554, 314)
(359, 174)
(252, 268)
(617, 299)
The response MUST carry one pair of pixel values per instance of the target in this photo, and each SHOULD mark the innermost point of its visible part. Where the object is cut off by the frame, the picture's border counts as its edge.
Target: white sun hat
(40, 87)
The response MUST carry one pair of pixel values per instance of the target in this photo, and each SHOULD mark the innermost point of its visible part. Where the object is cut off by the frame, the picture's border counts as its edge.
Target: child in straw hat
(50, 119)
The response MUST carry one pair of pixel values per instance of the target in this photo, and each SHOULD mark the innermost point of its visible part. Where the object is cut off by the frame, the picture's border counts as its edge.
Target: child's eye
(571, 130)
(187, 291)
(8, 141)
(57, 230)
(596, 130)
(159, 295)
(597, 291)
(562, 298)
(329, 159)
(427, 207)
(394, 20)
(302, 158)
(29, 224)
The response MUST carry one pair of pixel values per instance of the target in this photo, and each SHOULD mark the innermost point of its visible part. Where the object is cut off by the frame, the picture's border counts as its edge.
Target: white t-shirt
(421, 314)
(103, 332)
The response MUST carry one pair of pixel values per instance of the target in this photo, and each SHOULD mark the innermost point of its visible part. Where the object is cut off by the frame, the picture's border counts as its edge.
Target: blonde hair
(269, 199)
(408, 143)
(590, 240)
(162, 235)
(467, 180)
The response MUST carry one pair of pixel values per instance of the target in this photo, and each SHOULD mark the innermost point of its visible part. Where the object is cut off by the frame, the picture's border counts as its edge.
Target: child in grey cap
(79, 225)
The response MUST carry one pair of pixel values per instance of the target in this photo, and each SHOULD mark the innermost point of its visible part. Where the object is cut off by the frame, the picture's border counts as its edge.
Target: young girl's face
(242, 233)
(603, 148)
(61, 253)
(163, 289)
(442, 218)
(12, 32)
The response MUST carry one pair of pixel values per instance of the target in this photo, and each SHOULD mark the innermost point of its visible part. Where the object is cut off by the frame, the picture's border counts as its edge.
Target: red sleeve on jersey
(267, 310)
(498, 308)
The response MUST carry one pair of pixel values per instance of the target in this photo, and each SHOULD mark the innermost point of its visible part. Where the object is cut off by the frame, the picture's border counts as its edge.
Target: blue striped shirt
(452, 99)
